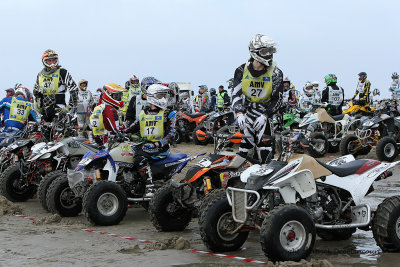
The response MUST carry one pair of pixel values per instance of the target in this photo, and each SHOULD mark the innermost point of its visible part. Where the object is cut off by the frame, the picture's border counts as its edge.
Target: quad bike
(107, 180)
(203, 133)
(20, 180)
(291, 202)
(381, 131)
(186, 123)
(320, 125)
(173, 205)
(356, 109)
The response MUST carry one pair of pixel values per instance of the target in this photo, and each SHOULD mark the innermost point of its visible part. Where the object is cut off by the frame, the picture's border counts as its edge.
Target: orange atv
(173, 205)
(186, 125)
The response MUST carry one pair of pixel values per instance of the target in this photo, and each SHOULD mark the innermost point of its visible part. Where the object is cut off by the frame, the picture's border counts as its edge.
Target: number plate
(85, 161)
(204, 163)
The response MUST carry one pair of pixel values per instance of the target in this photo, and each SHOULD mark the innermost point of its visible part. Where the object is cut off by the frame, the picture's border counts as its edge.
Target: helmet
(81, 86)
(10, 91)
(99, 90)
(146, 82)
(262, 48)
(134, 81)
(330, 78)
(21, 92)
(286, 87)
(308, 90)
(19, 88)
(213, 91)
(112, 94)
(395, 75)
(174, 87)
(202, 89)
(50, 54)
(230, 83)
(363, 74)
(315, 84)
(376, 92)
(158, 94)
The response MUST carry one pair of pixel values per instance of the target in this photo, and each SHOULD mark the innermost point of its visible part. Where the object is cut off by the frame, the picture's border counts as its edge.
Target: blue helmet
(147, 81)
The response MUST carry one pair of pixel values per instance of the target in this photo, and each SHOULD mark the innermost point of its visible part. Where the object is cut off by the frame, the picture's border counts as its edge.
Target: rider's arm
(367, 88)
(131, 111)
(273, 105)
(325, 95)
(355, 94)
(32, 115)
(169, 129)
(66, 79)
(110, 117)
(237, 95)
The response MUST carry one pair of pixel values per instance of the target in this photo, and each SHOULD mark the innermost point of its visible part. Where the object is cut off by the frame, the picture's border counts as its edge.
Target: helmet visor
(266, 51)
(160, 95)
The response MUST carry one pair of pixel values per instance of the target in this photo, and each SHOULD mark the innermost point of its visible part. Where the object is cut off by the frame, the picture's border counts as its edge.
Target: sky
(201, 42)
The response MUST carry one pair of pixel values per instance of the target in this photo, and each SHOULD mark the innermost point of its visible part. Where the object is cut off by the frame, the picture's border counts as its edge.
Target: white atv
(292, 202)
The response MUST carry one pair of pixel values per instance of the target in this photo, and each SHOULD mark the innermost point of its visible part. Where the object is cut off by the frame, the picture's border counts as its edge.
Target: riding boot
(146, 174)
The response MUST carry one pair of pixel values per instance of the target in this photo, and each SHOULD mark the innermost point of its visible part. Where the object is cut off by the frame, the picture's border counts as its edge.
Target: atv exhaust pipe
(139, 199)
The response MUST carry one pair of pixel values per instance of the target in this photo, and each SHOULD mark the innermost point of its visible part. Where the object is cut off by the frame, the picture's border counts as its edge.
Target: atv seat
(338, 117)
(353, 167)
(196, 115)
(171, 158)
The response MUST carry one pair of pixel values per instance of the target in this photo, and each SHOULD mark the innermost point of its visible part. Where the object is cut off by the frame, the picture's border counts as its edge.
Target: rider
(9, 92)
(257, 95)
(223, 98)
(333, 95)
(52, 83)
(317, 93)
(185, 103)
(307, 99)
(104, 118)
(139, 102)
(213, 100)
(201, 102)
(17, 111)
(363, 89)
(173, 99)
(156, 125)
(85, 100)
(395, 87)
(133, 89)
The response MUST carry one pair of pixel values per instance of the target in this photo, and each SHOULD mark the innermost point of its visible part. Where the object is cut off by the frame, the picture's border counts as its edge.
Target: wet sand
(62, 242)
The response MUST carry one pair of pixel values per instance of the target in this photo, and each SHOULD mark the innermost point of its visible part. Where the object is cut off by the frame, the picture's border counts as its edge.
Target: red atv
(186, 125)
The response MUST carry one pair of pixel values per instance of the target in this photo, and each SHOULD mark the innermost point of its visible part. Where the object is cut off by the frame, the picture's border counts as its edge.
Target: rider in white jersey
(85, 100)
(307, 99)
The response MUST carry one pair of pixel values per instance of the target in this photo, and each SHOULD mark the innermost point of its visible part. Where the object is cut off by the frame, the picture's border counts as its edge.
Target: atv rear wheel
(178, 137)
(351, 145)
(14, 186)
(167, 214)
(216, 223)
(61, 199)
(105, 203)
(386, 225)
(44, 186)
(387, 149)
(318, 149)
(287, 233)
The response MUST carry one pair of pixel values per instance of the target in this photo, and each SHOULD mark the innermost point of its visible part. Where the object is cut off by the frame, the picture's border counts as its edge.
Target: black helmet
(362, 73)
(213, 91)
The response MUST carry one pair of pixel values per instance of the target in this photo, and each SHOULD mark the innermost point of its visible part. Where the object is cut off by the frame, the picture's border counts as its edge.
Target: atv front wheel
(386, 149)
(61, 199)
(105, 203)
(14, 186)
(318, 145)
(216, 224)
(287, 233)
(167, 214)
(386, 225)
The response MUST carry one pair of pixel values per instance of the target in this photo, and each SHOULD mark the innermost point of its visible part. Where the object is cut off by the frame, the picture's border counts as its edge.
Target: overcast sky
(201, 42)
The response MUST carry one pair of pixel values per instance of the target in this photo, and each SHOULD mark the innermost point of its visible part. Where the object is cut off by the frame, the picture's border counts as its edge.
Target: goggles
(117, 96)
(266, 51)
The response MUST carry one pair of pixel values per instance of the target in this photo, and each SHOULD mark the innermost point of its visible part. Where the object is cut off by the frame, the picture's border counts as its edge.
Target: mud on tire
(44, 186)
(386, 225)
(287, 233)
(61, 200)
(111, 199)
(13, 187)
(386, 149)
(167, 214)
(217, 213)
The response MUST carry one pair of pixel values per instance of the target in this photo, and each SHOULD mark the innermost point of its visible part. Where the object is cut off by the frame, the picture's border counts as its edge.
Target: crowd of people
(149, 107)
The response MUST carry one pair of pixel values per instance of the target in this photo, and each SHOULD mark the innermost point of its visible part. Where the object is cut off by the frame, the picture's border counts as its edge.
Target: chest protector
(19, 110)
(360, 87)
(96, 120)
(257, 89)
(49, 82)
(152, 126)
(335, 96)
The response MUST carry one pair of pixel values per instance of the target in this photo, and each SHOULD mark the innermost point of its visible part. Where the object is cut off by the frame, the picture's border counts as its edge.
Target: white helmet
(308, 90)
(376, 92)
(315, 84)
(158, 95)
(21, 91)
(262, 48)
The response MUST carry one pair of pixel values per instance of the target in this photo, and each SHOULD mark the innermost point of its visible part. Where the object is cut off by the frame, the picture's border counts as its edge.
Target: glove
(241, 120)
(259, 123)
